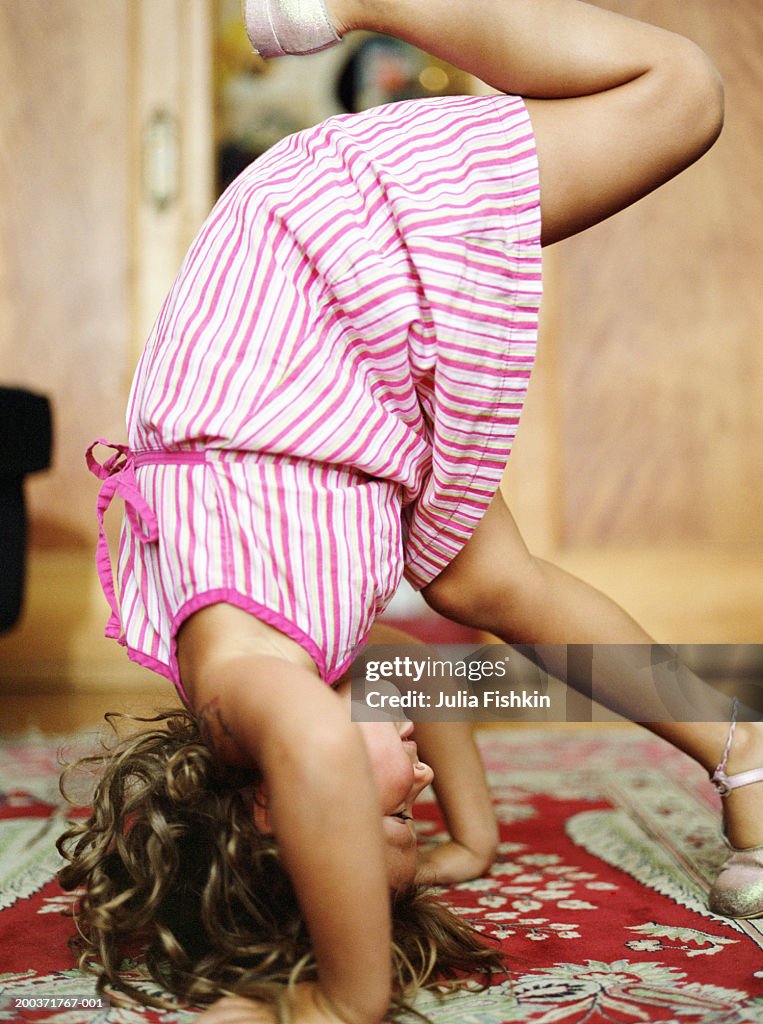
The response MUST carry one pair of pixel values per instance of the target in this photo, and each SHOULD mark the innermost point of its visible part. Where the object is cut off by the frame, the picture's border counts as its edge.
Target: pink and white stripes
(349, 343)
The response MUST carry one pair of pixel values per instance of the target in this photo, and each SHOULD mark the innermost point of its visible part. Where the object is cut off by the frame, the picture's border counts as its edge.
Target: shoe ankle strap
(725, 783)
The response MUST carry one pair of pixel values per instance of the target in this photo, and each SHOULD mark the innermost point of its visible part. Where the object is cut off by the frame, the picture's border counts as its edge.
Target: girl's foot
(279, 27)
(738, 889)
(743, 801)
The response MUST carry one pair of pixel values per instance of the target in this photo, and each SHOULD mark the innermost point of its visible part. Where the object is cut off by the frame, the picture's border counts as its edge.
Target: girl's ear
(261, 811)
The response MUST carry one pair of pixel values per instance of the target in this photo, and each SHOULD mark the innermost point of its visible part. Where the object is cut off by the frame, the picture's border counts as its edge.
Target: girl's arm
(263, 711)
(463, 794)
(325, 815)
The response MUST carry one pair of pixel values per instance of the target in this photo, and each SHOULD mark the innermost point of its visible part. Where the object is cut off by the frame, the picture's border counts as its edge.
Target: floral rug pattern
(609, 841)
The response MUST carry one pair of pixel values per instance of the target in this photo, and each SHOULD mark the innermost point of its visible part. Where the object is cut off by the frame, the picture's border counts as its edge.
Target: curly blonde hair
(170, 856)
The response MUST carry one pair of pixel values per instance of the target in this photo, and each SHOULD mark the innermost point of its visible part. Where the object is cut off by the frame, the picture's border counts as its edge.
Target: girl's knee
(491, 601)
(445, 596)
(491, 579)
(693, 87)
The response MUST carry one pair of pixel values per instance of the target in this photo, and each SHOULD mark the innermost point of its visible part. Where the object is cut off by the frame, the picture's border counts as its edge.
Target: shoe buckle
(720, 781)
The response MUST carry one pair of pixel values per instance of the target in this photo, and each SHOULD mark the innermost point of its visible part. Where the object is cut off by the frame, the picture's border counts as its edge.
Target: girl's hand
(305, 1004)
(236, 1010)
(451, 862)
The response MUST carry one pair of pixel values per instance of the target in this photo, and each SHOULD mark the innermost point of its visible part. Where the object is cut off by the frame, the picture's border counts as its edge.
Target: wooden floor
(64, 713)
(734, 670)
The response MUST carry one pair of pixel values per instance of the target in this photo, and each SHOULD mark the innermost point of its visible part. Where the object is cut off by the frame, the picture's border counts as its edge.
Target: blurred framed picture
(258, 102)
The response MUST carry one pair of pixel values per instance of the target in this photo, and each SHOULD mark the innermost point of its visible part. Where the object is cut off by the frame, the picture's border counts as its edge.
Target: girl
(327, 400)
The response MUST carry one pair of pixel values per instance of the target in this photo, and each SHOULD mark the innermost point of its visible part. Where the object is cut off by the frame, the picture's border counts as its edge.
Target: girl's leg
(495, 584)
(633, 104)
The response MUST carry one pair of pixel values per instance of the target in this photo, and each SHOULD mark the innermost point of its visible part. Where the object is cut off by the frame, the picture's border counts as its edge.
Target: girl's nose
(423, 775)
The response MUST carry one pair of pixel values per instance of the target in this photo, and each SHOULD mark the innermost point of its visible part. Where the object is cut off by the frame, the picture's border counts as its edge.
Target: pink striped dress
(333, 385)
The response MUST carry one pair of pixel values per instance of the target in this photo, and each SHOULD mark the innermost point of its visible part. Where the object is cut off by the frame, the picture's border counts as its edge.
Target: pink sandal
(279, 27)
(738, 889)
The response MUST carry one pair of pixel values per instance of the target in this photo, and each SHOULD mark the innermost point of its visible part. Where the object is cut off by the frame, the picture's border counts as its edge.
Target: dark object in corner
(25, 447)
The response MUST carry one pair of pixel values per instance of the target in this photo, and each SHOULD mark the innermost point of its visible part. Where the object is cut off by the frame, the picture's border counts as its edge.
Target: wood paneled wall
(660, 322)
(640, 460)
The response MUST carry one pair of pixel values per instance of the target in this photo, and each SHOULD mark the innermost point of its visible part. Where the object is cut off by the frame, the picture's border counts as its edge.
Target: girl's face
(400, 777)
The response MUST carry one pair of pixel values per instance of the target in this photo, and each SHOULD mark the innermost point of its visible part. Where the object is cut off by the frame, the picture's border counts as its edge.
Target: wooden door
(106, 174)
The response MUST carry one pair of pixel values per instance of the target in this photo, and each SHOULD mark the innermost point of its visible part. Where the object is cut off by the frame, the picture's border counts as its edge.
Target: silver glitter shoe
(280, 27)
(738, 889)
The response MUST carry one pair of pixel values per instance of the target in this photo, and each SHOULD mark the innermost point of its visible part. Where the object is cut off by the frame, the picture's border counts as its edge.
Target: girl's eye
(403, 817)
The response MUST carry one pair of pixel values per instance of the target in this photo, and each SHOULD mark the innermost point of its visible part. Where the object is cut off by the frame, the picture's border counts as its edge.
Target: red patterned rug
(598, 897)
